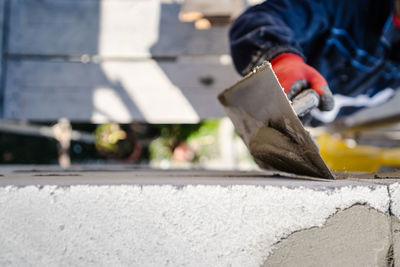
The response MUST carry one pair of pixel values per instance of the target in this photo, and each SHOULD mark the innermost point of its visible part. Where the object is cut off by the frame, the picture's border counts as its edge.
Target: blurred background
(136, 82)
(118, 81)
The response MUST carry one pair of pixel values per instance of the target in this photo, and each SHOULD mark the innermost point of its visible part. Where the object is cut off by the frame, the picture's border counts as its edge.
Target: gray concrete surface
(107, 215)
(358, 236)
(396, 239)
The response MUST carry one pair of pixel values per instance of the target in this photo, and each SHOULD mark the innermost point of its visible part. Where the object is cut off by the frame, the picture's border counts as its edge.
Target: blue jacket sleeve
(274, 27)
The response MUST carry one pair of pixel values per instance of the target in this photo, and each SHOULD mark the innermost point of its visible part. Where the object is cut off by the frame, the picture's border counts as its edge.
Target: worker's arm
(275, 31)
(275, 27)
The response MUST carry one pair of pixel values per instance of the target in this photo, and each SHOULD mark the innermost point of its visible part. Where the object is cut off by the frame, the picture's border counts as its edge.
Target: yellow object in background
(346, 155)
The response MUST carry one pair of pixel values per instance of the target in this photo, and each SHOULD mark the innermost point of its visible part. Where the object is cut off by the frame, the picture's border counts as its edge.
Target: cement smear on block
(396, 240)
(274, 149)
(358, 236)
(394, 190)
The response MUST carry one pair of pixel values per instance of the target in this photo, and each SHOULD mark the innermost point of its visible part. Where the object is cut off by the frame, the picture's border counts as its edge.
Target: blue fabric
(352, 43)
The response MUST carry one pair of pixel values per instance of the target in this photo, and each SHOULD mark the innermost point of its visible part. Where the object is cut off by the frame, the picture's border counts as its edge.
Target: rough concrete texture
(138, 219)
(394, 190)
(358, 236)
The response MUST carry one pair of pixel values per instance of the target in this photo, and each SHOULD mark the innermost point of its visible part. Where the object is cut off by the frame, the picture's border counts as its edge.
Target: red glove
(396, 21)
(295, 75)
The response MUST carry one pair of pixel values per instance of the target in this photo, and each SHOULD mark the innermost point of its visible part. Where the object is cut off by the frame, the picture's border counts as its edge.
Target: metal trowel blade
(265, 120)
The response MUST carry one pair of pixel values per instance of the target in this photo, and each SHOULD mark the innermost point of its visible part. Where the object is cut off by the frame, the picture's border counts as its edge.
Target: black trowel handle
(305, 102)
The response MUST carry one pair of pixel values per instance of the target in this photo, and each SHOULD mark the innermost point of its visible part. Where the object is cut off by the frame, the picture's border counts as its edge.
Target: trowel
(269, 125)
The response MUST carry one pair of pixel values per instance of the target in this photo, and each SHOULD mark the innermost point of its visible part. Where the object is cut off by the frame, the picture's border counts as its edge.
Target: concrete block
(394, 190)
(160, 218)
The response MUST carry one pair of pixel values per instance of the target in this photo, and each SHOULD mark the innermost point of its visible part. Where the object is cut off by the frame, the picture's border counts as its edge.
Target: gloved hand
(295, 75)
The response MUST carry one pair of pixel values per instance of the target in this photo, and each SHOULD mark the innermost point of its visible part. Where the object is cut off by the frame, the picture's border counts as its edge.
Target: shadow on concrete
(48, 44)
(197, 80)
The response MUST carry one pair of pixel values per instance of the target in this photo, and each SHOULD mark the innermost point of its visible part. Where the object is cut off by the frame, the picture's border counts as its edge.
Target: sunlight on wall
(146, 88)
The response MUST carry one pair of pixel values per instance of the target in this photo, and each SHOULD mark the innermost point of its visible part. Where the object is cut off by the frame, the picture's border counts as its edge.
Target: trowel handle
(305, 102)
